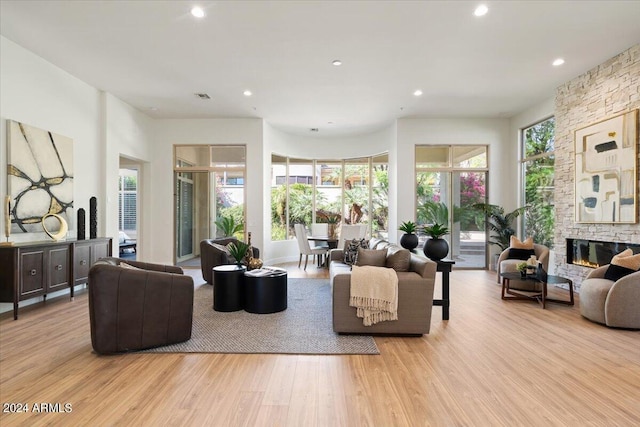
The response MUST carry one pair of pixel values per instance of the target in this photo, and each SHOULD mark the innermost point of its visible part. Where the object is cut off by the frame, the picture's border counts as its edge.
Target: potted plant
(228, 227)
(522, 268)
(332, 221)
(238, 251)
(409, 240)
(436, 247)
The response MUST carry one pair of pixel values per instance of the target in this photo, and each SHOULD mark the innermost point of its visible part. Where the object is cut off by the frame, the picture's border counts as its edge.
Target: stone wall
(605, 91)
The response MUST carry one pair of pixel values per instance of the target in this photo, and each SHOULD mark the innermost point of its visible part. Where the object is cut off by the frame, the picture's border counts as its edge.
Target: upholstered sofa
(213, 253)
(415, 295)
(135, 305)
(612, 303)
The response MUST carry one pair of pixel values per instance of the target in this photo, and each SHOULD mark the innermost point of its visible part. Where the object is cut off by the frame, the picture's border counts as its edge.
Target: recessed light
(337, 62)
(314, 129)
(329, 123)
(247, 93)
(202, 95)
(481, 10)
(198, 12)
(558, 62)
(417, 93)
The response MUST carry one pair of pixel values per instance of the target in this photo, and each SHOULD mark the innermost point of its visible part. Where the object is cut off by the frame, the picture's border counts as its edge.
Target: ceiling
(155, 55)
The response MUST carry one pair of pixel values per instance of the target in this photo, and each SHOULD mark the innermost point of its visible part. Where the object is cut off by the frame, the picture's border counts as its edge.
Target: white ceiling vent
(203, 95)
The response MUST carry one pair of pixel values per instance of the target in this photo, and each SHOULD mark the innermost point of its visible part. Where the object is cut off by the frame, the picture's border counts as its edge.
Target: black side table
(265, 294)
(228, 286)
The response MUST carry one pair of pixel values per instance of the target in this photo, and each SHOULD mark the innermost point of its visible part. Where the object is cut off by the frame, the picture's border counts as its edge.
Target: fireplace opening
(593, 253)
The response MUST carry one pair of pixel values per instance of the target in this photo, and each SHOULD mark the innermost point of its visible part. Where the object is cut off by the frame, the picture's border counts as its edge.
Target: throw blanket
(374, 292)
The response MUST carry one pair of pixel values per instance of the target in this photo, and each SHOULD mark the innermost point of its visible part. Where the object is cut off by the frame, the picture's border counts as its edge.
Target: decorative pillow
(398, 259)
(523, 254)
(517, 244)
(371, 257)
(631, 262)
(351, 249)
(615, 272)
(627, 252)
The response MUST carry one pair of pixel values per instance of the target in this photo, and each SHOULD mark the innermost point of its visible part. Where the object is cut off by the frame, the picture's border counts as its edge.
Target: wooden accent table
(541, 297)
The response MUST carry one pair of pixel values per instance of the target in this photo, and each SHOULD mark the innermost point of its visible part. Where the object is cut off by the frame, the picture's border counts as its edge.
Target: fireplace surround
(594, 253)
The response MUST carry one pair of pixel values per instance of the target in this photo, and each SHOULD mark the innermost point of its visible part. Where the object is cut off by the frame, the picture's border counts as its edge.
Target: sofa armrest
(597, 273)
(426, 268)
(622, 306)
(503, 255)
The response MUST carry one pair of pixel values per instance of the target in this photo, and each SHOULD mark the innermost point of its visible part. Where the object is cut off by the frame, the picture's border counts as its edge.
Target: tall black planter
(93, 218)
(81, 227)
(436, 249)
(409, 241)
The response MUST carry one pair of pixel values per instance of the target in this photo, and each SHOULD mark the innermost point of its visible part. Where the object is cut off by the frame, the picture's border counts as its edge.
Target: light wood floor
(494, 363)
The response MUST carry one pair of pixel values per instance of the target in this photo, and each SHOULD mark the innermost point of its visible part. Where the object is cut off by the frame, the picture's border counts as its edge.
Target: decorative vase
(409, 241)
(93, 218)
(331, 231)
(523, 274)
(436, 249)
(81, 225)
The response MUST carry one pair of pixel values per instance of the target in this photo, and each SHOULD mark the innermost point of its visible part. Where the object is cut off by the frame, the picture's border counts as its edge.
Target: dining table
(332, 243)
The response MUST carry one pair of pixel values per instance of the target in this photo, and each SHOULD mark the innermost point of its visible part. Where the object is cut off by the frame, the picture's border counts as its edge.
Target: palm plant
(228, 226)
(408, 227)
(500, 223)
(436, 230)
(238, 251)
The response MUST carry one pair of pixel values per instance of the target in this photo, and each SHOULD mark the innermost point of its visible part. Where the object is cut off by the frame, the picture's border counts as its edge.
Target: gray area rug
(305, 327)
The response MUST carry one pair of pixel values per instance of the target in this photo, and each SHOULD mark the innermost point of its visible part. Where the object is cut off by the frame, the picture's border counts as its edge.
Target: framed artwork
(606, 170)
(40, 178)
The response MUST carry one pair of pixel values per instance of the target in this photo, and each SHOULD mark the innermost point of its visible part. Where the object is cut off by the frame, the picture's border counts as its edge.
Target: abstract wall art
(606, 170)
(40, 177)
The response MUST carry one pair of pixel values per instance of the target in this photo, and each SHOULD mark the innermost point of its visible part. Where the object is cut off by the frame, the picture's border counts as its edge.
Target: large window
(538, 162)
(127, 195)
(209, 185)
(450, 179)
(305, 191)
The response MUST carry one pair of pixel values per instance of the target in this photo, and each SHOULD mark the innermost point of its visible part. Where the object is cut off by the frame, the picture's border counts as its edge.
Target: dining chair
(305, 248)
(349, 232)
(320, 229)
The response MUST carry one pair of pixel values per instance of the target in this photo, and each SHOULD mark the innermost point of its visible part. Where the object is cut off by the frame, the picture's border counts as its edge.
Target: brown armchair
(213, 253)
(138, 306)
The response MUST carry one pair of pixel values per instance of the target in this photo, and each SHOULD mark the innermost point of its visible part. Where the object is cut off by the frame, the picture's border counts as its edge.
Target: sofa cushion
(373, 257)
(631, 262)
(351, 249)
(519, 253)
(615, 272)
(514, 242)
(398, 259)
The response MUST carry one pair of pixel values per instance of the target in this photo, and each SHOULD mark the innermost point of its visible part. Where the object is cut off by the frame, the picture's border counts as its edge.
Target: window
(450, 179)
(538, 169)
(209, 185)
(305, 191)
(127, 195)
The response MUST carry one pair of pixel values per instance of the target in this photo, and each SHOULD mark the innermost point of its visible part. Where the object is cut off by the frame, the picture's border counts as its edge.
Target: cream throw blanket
(374, 292)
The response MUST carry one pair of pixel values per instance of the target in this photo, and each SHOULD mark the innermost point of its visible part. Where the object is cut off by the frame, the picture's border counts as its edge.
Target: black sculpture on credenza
(81, 226)
(93, 218)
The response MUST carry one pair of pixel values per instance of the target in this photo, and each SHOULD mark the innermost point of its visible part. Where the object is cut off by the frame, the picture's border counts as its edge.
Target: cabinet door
(32, 273)
(100, 250)
(58, 268)
(82, 261)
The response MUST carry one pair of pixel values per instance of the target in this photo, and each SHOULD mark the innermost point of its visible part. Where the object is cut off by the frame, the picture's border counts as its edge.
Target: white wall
(35, 92)
(202, 131)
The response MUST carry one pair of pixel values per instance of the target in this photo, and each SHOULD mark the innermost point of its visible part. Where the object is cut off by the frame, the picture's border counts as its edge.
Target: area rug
(305, 327)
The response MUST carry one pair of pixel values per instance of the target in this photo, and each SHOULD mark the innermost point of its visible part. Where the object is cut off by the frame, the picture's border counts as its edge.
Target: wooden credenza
(29, 270)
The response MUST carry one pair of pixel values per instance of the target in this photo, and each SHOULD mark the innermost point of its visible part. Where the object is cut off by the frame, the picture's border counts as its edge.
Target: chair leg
(300, 260)
(306, 258)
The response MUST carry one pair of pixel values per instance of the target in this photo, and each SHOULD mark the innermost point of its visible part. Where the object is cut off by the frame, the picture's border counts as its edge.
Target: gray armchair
(213, 253)
(506, 265)
(612, 303)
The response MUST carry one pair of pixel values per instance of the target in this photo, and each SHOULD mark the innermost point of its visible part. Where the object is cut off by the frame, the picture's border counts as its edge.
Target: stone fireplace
(594, 253)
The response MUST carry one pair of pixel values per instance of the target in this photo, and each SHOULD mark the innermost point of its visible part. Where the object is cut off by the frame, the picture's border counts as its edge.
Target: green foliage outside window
(539, 168)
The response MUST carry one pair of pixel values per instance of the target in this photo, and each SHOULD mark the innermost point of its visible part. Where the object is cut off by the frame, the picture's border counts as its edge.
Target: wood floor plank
(495, 362)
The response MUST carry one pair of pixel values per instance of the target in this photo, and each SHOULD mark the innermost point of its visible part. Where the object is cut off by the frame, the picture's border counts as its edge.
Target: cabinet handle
(83, 262)
(33, 272)
(59, 267)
